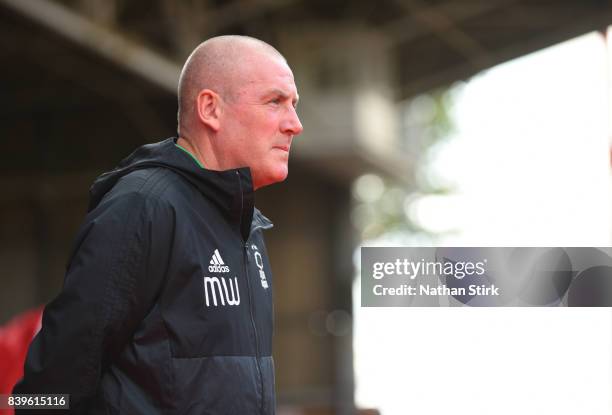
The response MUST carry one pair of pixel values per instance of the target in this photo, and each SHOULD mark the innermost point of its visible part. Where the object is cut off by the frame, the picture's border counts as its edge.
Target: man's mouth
(284, 148)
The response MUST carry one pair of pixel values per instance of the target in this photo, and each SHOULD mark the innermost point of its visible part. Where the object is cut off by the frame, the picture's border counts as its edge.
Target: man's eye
(276, 101)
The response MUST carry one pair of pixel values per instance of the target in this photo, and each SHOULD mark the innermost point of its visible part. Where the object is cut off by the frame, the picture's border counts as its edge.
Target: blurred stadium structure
(86, 81)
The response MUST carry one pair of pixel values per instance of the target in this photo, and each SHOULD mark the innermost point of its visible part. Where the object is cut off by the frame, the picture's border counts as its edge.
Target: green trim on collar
(192, 156)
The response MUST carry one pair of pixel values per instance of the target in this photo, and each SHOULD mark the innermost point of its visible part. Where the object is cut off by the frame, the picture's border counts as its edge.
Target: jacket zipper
(251, 309)
(257, 354)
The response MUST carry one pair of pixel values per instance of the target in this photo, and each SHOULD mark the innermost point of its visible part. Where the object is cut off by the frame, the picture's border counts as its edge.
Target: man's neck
(208, 161)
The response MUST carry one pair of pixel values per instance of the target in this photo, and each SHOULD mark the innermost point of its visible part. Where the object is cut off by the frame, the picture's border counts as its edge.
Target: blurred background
(426, 122)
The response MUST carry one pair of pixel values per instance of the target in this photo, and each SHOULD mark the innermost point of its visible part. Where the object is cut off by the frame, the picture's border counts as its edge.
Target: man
(167, 300)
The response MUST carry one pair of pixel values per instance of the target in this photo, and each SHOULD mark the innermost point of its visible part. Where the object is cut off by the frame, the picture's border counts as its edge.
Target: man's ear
(208, 106)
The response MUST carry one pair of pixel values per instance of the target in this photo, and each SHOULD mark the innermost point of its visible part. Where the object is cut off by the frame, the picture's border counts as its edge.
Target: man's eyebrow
(282, 94)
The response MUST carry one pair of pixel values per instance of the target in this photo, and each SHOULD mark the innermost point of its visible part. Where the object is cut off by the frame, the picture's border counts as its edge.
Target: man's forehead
(268, 68)
(270, 76)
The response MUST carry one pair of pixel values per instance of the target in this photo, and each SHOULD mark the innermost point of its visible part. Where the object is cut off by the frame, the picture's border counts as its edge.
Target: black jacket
(167, 301)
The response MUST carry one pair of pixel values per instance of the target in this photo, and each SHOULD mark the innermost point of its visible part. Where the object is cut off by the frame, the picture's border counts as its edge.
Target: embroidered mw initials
(212, 287)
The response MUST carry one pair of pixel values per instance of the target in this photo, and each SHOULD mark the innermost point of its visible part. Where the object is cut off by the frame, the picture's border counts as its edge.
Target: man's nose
(291, 124)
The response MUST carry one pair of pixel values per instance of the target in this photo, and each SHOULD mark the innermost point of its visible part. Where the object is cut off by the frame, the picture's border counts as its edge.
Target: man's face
(258, 122)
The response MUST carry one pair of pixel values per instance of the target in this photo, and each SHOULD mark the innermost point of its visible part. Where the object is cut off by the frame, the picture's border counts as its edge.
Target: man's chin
(276, 177)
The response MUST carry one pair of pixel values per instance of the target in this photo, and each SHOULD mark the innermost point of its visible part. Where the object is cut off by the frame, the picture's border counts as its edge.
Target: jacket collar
(231, 190)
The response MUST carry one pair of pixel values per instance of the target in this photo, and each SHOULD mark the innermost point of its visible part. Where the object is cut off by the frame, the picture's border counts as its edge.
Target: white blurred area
(530, 164)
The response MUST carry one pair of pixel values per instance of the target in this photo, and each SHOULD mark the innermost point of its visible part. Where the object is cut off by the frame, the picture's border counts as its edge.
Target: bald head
(217, 64)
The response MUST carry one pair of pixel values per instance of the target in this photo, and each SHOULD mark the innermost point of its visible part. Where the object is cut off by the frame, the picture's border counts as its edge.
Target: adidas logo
(217, 264)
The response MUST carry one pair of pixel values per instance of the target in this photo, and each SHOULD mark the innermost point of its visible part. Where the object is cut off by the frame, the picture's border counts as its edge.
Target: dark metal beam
(447, 30)
(127, 54)
(407, 28)
(241, 11)
(510, 51)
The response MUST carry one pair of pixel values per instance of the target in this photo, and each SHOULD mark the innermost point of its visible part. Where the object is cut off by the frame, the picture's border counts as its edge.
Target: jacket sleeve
(114, 275)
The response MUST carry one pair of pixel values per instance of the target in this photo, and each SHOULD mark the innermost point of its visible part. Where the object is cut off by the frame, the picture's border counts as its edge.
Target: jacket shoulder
(152, 184)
